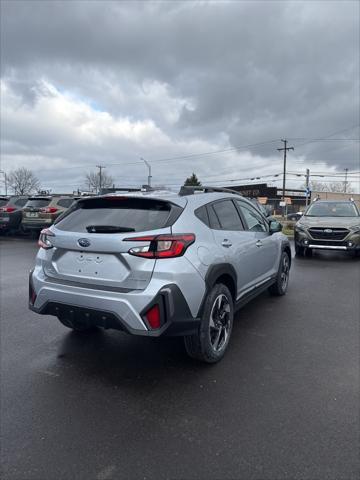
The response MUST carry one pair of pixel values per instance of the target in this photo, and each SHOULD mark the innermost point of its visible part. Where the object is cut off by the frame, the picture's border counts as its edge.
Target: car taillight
(7, 209)
(153, 316)
(44, 240)
(162, 246)
(48, 210)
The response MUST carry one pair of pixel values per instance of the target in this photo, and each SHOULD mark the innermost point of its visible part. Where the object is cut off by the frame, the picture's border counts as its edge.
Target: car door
(265, 253)
(237, 246)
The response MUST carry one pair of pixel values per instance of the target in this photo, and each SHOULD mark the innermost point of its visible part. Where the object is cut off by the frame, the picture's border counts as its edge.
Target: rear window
(37, 202)
(3, 201)
(65, 202)
(20, 202)
(135, 213)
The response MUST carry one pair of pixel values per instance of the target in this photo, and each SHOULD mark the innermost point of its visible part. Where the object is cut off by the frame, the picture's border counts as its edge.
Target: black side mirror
(275, 226)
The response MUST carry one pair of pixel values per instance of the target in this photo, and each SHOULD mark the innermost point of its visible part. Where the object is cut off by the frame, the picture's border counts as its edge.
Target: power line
(182, 157)
(328, 136)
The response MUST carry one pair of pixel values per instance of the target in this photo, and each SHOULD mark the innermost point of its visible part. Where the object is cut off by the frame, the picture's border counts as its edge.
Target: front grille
(328, 233)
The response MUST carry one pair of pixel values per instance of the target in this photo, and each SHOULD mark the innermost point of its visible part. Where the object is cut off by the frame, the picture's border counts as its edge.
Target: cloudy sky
(209, 87)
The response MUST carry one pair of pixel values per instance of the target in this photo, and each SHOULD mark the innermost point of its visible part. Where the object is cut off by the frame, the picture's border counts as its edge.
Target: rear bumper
(38, 225)
(9, 222)
(124, 312)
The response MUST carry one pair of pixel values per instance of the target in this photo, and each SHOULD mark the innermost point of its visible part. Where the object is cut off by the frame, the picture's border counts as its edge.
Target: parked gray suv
(159, 263)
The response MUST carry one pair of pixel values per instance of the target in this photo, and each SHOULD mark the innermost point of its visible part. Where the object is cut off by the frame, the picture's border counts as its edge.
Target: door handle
(259, 243)
(226, 243)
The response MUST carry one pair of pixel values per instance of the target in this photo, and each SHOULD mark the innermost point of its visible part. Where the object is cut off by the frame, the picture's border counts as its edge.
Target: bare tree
(340, 187)
(23, 182)
(316, 186)
(92, 180)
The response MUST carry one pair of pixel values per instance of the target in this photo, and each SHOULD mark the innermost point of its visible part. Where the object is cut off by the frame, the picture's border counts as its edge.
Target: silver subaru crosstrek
(159, 263)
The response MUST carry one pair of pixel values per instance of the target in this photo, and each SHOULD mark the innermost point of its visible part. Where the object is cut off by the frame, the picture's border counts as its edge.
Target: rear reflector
(153, 316)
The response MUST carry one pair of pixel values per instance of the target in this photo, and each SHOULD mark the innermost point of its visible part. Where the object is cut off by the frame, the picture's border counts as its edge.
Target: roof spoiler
(191, 190)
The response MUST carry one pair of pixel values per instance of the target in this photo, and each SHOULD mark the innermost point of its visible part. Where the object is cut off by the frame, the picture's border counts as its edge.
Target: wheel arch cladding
(287, 249)
(222, 273)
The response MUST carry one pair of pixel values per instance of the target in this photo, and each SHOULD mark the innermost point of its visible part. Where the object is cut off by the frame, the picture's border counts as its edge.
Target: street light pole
(346, 175)
(100, 167)
(149, 168)
(307, 186)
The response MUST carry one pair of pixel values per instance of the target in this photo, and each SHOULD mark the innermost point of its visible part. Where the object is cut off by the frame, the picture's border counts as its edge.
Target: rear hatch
(91, 246)
(32, 211)
(8, 209)
(4, 203)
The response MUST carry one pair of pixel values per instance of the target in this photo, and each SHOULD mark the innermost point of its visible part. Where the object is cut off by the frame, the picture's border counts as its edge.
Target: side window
(202, 215)
(228, 216)
(214, 221)
(65, 202)
(253, 219)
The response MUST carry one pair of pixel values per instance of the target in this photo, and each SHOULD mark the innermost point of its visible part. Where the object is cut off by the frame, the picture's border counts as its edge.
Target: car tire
(76, 325)
(280, 286)
(299, 250)
(211, 341)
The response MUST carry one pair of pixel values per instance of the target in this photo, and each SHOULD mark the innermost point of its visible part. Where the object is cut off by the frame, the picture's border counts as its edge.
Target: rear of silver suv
(156, 264)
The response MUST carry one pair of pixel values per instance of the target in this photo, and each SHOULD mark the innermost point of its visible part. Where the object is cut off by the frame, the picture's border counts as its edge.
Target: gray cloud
(207, 75)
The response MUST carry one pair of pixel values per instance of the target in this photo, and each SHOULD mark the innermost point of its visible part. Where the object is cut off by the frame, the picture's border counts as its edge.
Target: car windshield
(332, 209)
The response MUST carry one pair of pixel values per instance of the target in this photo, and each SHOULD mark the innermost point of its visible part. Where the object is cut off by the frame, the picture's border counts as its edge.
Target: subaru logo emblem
(328, 230)
(84, 242)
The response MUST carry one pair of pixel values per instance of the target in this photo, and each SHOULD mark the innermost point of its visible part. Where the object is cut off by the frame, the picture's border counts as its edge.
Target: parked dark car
(11, 213)
(41, 211)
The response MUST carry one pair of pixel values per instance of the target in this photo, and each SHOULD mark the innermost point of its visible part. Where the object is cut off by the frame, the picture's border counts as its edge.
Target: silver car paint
(55, 280)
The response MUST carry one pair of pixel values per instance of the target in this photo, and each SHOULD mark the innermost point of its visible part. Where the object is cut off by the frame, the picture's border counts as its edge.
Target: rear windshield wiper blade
(108, 229)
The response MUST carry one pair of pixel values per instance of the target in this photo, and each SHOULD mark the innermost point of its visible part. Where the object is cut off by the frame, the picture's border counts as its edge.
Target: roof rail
(191, 190)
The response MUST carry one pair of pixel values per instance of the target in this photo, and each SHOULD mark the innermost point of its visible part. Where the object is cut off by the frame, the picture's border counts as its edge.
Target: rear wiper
(108, 229)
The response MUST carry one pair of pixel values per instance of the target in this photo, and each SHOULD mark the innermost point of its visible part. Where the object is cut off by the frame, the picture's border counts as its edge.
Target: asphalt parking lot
(283, 403)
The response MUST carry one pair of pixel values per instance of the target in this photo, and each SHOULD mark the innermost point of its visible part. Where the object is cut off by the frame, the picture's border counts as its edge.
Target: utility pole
(149, 168)
(284, 149)
(307, 186)
(346, 175)
(100, 167)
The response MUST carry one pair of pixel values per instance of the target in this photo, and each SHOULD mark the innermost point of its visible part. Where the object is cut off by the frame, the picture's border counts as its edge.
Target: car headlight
(300, 227)
(355, 229)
